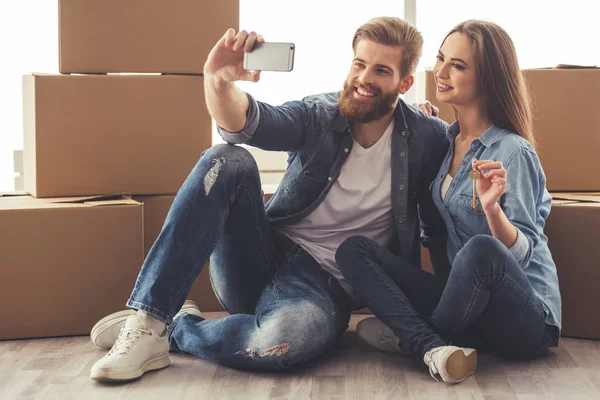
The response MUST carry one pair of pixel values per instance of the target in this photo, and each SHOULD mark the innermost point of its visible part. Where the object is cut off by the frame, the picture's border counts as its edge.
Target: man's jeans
(284, 308)
(487, 302)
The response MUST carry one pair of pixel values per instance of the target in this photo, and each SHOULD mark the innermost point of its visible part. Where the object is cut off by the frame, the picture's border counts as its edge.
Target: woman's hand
(492, 184)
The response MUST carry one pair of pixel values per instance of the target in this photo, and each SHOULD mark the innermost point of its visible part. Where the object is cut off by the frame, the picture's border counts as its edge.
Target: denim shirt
(318, 140)
(526, 203)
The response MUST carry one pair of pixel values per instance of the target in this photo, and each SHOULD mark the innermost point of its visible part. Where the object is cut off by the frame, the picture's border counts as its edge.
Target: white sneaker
(106, 331)
(377, 334)
(188, 307)
(137, 350)
(453, 364)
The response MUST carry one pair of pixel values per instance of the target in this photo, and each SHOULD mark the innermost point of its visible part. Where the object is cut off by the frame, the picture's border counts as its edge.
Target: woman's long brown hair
(499, 77)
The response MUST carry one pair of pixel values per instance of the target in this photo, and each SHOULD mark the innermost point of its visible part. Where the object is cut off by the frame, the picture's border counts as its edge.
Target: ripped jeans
(285, 310)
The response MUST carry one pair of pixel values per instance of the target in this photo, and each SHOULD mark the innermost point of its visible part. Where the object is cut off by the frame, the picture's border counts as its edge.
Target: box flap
(89, 199)
(562, 202)
(586, 197)
(13, 194)
(572, 66)
(112, 202)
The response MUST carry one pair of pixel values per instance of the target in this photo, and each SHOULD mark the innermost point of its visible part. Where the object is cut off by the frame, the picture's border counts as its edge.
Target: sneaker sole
(460, 365)
(150, 365)
(108, 322)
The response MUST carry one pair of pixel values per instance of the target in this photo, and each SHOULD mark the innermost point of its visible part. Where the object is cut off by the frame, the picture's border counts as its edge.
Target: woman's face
(454, 71)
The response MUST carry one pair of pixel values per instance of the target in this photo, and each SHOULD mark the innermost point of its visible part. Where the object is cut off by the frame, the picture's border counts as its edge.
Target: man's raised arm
(227, 103)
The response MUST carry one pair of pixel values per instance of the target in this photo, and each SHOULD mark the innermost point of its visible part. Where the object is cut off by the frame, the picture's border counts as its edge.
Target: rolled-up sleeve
(252, 118)
(526, 202)
(521, 247)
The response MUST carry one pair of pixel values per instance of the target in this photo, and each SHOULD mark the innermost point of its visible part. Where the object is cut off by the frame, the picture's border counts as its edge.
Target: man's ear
(406, 83)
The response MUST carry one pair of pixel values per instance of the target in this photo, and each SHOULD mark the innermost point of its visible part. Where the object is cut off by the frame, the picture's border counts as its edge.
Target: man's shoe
(138, 349)
(453, 364)
(189, 307)
(377, 334)
(106, 331)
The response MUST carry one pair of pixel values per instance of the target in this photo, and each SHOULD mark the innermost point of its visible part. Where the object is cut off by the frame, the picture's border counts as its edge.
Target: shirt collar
(488, 138)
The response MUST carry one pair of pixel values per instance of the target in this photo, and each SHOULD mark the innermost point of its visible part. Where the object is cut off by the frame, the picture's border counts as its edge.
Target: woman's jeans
(487, 302)
(284, 308)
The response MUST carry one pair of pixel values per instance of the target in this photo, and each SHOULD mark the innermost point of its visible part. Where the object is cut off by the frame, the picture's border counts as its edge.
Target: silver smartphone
(270, 56)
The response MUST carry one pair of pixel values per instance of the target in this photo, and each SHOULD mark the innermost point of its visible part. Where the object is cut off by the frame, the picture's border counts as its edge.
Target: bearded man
(360, 163)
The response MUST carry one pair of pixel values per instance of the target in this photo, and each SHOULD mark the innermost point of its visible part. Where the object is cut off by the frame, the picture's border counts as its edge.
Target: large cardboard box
(156, 209)
(573, 229)
(566, 123)
(97, 135)
(168, 36)
(65, 263)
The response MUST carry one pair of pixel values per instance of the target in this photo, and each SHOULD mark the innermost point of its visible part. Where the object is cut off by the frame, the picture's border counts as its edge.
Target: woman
(502, 292)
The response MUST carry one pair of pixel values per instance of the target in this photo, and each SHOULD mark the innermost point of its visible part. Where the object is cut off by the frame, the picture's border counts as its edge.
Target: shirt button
(454, 184)
(346, 150)
(464, 163)
(402, 154)
(401, 187)
(403, 133)
(400, 220)
(329, 179)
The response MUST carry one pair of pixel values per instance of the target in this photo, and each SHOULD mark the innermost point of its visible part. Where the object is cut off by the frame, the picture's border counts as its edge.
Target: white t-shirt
(358, 203)
(445, 185)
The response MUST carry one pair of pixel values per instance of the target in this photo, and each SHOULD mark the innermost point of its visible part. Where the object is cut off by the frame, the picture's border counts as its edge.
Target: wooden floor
(59, 368)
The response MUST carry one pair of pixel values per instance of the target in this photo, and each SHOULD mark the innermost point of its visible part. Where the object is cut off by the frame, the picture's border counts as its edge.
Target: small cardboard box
(573, 229)
(97, 135)
(165, 36)
(66, 263)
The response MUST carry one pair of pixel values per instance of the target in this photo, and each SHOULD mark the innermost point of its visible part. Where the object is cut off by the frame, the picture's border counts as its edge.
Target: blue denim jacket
(526, 204)
(318, 140)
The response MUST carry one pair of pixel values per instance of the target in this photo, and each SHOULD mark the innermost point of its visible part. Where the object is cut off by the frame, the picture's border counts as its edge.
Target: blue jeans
(285, 310)
(487, 302)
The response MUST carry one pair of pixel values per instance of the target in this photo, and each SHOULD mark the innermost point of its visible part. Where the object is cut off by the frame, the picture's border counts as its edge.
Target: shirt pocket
(464, 205)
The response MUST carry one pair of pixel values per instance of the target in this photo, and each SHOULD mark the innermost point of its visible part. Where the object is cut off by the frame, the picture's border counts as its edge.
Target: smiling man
(360, 163)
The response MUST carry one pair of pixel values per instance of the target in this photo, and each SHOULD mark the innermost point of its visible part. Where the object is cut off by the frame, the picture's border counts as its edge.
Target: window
(545, 32)
(29, 43)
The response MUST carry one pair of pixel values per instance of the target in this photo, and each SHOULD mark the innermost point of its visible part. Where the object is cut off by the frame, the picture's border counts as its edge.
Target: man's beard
(366, 111)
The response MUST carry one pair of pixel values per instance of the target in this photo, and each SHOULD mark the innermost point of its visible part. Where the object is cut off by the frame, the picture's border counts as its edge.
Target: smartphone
(270, 56)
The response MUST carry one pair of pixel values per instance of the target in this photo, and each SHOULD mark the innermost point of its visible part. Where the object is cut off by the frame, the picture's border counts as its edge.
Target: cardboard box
(65, 263)
(169, 36)
(156, 209)
(566, 123)
(573, 229)
(97, 135)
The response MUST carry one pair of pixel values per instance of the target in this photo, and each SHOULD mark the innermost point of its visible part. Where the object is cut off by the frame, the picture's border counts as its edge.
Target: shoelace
(430, 360)
(126, 339)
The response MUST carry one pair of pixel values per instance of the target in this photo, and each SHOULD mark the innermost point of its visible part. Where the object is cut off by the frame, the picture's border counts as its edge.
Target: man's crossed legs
(285, 310)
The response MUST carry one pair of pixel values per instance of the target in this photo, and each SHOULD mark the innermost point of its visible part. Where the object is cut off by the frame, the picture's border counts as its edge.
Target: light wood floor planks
(59, 369)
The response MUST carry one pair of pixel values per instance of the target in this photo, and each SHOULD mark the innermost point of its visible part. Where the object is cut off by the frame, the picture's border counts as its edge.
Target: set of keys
(474, 175)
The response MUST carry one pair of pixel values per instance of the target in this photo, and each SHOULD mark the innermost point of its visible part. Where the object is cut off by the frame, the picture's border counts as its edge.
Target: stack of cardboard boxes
(567, 128)
(104, 156)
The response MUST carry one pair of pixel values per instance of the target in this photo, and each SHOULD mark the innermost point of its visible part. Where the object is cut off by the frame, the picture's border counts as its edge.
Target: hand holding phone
(270, 56)
(225, 61)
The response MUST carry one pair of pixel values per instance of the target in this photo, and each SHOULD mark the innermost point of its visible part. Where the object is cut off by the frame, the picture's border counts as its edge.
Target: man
(360, 162)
